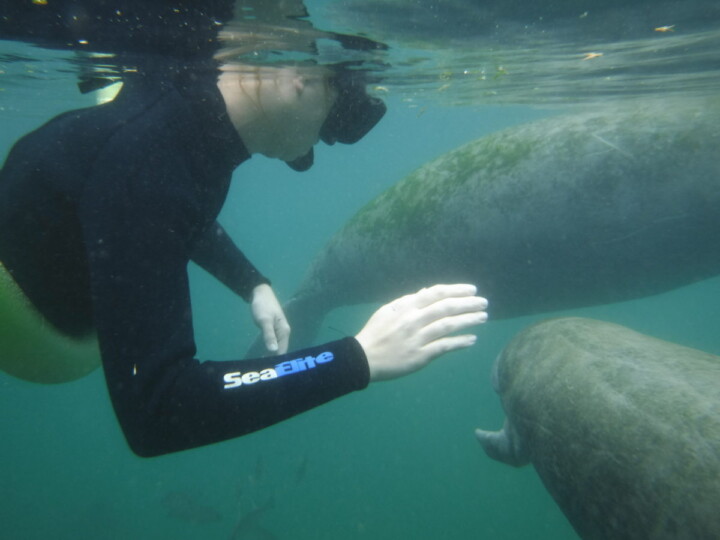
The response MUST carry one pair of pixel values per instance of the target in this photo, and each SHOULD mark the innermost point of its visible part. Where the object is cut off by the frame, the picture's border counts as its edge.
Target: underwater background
(397, 460)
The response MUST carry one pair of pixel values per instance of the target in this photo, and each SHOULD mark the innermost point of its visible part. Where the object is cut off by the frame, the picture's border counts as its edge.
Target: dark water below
(398, 460)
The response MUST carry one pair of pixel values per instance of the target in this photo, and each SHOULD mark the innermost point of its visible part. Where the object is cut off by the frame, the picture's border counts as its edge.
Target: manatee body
(623, 429)
(565, 212)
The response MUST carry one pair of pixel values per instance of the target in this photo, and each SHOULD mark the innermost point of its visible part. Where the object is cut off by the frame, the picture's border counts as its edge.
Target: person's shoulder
(58, 128)
(32, 146)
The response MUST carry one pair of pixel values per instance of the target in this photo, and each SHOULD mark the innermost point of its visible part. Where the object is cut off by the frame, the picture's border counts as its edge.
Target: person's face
(293, 105)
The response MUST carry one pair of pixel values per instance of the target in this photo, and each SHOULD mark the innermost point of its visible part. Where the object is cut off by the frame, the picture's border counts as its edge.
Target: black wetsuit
(101, 210)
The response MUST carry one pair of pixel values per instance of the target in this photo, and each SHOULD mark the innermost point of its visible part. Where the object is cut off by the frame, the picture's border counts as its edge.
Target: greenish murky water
(397, 460)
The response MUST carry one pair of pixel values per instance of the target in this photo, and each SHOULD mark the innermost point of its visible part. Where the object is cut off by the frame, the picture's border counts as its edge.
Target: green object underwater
(31, 349)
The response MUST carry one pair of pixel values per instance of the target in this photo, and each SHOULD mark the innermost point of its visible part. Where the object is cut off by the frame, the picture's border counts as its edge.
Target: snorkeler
(102, 209)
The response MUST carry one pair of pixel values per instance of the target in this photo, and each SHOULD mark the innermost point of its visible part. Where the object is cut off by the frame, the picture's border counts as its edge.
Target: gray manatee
(623, 429)
(571, 211)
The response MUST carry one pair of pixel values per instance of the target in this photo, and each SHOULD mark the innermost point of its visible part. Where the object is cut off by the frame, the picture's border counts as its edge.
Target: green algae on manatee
(421, 194)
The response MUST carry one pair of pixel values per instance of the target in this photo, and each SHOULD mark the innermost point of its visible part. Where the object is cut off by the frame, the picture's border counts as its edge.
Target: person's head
(281, 112)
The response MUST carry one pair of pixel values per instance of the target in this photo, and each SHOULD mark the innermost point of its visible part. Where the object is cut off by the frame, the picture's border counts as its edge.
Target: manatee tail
(305, 315)
(503, 445)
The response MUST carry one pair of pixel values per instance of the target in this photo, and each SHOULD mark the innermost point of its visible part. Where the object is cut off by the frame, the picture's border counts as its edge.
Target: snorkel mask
(351, 117)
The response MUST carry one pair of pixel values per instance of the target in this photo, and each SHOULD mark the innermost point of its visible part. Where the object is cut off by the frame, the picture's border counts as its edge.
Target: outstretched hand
(408, 333)
(270, 318)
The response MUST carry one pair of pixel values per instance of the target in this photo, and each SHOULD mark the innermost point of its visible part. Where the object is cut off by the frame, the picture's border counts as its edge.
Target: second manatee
(622, 428)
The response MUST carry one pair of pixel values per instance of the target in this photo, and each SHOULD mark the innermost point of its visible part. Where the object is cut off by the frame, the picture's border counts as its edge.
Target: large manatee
(570, 211)
(623, 429)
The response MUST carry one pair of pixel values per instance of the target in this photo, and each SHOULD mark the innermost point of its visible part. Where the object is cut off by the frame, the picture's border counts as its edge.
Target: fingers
(439, 310)
(268, 332)
(446, 345)
(449, 307)
(452, 311)
(276, 335)
(271, 320)
(282, 332)
(430, 295)
(449, 325)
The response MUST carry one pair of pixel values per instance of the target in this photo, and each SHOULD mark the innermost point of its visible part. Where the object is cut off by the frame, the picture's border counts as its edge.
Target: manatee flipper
(31, 349)
(503, 445)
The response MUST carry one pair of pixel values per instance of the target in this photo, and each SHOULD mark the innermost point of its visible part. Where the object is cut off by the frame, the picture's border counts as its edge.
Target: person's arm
(136, 225)
(165, 399)
(215, 252)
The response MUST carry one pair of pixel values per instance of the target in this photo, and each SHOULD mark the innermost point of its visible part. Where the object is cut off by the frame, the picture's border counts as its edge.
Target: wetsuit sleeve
(215, 252)
(136, 225)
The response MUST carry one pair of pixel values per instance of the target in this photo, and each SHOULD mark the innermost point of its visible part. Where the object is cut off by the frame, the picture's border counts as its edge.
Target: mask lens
(353, 115)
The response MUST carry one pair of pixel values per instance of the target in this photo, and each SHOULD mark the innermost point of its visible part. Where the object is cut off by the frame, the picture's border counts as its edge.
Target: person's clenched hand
(270, 318)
